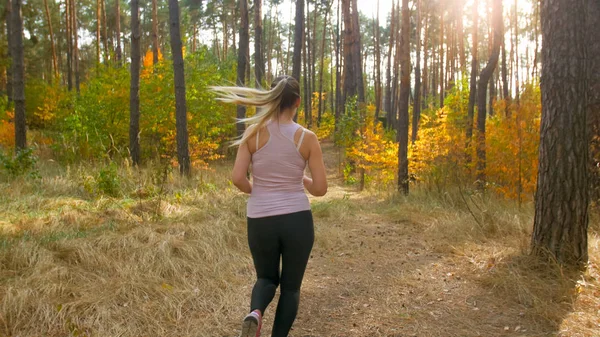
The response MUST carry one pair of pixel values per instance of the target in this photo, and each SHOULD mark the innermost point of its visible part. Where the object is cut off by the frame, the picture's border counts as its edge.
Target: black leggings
(289, 237)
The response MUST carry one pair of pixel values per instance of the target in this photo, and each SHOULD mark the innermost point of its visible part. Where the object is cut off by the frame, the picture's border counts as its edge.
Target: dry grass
(169, 258)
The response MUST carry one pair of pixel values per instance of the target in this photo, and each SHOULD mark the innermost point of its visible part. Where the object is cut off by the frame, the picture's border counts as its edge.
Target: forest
(461, 137)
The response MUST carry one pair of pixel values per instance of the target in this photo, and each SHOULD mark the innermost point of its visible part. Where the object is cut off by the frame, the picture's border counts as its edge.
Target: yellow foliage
(7, 131)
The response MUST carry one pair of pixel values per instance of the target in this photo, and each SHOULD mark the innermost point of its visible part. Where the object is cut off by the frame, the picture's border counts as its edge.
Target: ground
(177, 264)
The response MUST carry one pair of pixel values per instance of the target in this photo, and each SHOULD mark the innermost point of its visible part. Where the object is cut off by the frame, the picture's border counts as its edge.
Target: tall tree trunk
(461, 38)
(98, 29)
(9, 68)
(308, 90)
(305, 76)
(105, 32)
(54, 58)
(593, 111)
(417, 99)
(134, 93)
(259, 63)
(517, 84)
(377, 69)
(18, 75)
(242, 60)
(441, 55)
(338, 71)
(357, 50)
(505, 92)
(313, 50)
(155, 32)
(119, 51)
(349, 76)
(183, 156)
(425, 80)
(388, 72)
(75, 45)
(562, 198)
(322, 68)
(298, 34)
(473, 81)
(403, 104)
(482, 84)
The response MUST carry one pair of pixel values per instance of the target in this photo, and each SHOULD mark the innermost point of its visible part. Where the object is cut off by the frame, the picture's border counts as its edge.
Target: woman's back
(277, 172)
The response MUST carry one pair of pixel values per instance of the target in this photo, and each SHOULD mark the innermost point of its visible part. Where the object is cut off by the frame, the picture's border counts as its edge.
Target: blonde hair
(285, 90)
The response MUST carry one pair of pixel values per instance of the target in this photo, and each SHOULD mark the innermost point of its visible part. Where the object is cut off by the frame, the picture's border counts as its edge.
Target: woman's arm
(240, 169)
(316, 186)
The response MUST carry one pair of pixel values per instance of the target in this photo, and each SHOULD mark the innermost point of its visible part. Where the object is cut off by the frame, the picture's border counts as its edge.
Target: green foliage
(24, 162)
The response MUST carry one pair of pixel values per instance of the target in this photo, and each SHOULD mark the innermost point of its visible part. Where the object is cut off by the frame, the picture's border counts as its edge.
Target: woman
(280, 224)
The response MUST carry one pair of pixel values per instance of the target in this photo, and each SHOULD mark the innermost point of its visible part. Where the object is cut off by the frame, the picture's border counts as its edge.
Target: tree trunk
(119, 52)
(517, 84)
(482, 84)
(357, 50)
(425, 80)
(9, 68)
(105, 32)
(403, 104)
(75, 45)
(562, 199)
(338, 71)
(388, 72)
(134, 93)
(241, 66)
(322, 68)
(98, 29)
(505, 92)
(183, 156)
(18, 75)
(305, 71)
(54, 58)
(441, 55)
(461, 38)
(593, 112)
(154, 32)
(298, 34)
(417, 99)
(377, 69)
(349, 76)
(473, 82)
(259, 63)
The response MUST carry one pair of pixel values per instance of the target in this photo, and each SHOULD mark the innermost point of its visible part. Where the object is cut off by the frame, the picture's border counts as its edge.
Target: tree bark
(54, 58)
(562, 199)
(242, 61)
(388, 72)
(482, 84)
(441, 55)
(105, 32)
(134, 93)
(119, 52)
(183, 156)
(417, 99)
(338, 71)
(305, 76)
(349, 76)
(473, 82)
(298, 34)
(98, 29)
(154, 32)
(18, 75)
(259, 63)
(9, 68)
(75, 45)
(403, 104)
(377, 69)
(357, 50)
(322, 68)
(461, 38)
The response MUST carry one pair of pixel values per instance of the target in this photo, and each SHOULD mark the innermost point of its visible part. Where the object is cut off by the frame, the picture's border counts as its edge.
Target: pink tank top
(277, 172)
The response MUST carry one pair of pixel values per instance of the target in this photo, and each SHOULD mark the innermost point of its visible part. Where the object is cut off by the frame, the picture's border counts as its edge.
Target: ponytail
(284, 91)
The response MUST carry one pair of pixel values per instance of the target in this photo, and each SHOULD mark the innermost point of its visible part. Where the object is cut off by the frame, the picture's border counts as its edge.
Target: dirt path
(385, 277)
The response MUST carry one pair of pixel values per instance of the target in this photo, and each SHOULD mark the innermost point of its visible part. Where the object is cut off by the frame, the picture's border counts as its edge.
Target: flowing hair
(284, 92)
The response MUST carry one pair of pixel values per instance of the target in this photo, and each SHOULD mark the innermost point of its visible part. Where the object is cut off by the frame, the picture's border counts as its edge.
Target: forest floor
(177, 264)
